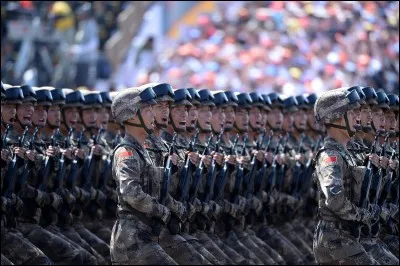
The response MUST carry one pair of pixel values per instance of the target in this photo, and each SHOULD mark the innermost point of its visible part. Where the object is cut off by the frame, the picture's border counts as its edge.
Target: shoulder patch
(125, 154)
(330, 159)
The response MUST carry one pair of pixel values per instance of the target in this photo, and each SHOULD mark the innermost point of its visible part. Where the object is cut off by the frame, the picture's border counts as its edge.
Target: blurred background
(288, 47)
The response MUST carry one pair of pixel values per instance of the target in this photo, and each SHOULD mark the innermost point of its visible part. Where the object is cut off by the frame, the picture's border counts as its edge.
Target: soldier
(141, 217)
(335, 170)
(14, 245)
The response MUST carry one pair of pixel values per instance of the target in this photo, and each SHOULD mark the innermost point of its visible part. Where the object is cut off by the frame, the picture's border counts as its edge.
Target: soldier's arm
(127, 170)
(330, 171)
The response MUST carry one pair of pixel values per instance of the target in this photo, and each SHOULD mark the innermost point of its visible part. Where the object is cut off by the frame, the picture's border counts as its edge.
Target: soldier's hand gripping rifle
(280, 172)
(210, 178)
(186, 172)
(59, 179)
(28, 165)
(298, 171)
(239, 174)
(107, 165)
(46, 168)
(224, 174)
(74, 165)
(259, 182)
(12, 167)
(197, 175)
(167, 173)
(272, 174)
(386, 189)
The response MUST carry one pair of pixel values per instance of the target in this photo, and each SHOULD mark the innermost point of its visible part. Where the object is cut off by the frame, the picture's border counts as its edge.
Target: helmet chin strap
(298, 129)
(373, 126)
(160, 126)
(274, 129)
(142, 124)
(254, 129)
(347, 127)
(171, 121)
(366, 129)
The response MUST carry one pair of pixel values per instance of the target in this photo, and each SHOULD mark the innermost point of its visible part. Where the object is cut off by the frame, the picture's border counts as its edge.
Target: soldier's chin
(366, 129)
(228, 128)
(190, 129)
(357, 127)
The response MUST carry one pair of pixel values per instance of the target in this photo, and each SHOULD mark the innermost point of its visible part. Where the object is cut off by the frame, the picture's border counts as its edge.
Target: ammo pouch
(155, 223)
(352, 227)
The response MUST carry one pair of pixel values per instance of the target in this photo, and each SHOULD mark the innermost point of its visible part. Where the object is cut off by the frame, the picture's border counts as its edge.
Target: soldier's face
(378, 117)
(218, 119)
(366, 115)
(25, 113)
(390, 118)
(275, 117)
(311, 119)
(148, 116)
(230, 117)
(102, 117)
(255, 118)
(193, 116)
(54, 115)
(287, 123)
(263, 119)
(179, 116)
(161, 113)
(354, 117)
(71, 116)
(40, 116)
(89, 117)
(300, 119)
(205, 117)
(242, 119)
(8, 113)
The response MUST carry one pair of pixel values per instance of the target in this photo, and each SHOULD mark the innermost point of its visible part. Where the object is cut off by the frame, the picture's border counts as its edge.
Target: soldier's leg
(87, 258)
(265, 247)
(303, 231)
(178, 249)
(58, 250)
(19, 250)
(99, 245)
(212, 247)
(358, 259)
(231, 253)
(99, 229)
(233, 241)
(203, 251)
(5, 261)
(392, 243)
(246, 240)
(71, 233)
(378, 251)
(280, 244)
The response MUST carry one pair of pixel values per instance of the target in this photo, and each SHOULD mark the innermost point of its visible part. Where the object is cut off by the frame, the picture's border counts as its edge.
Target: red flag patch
(125, 154)
(330, 159)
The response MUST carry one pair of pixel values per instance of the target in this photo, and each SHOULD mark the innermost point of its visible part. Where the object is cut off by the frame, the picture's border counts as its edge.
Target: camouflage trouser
(231, 253)
(73, 235)
(337, 246)
(248, 242)
(87, 258)
(5, 261)
(194, 242)
(233, 241)
(279, 243)
(205, 241)
(19, 250)
(301, 227)
(99, 245)
(266, 248)
(100, 229)
(59, 250)
(289, 232)
(178, 249)
(379, 251)
(392, 242)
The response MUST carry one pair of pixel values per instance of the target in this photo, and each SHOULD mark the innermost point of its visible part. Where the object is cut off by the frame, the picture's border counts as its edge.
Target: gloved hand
(394, 212)
(197, 204)
(174, 225)
(56, 201)
(385, 214)
(244, 206)
(191, 211)
(371, 215)
(216, 209)
(256, 205)
(101, 198)
(93, 193)
(225, 206)
(207, 210)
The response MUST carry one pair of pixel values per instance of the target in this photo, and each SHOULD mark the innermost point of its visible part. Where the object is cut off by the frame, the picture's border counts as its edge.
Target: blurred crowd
(289, 47)
(79, 29)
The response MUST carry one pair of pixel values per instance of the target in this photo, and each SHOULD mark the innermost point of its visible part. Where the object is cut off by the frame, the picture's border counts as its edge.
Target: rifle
(197, 175)
(186, 172)
(74, 165)
(272, 174)
(107, 165)
(167, 173)
(306, 177)
(249, 181)
(209, 187)
(260, 177)
(47, 166)
(386, 190)
(298, 170)
(280, 173)
(58, 181)
(27, 165)
(12, 167)
(223, 175)
(4, 142)
(239, 174)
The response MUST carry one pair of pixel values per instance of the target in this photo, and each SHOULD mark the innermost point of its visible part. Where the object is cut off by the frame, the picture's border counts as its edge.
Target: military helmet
(92, 99)
(360, 93)
(13, 95)
(29, 94)
(206, 98)
(333, 104)
(220, 99)
(195, 96)
(383, 100)
(276, 100)
(106, 98)
(258, 100)
(302, 102)
(73, 98)
(128, 102)
(370, 95)
(290, 105)
(232, 98)
(244, 100)
(182, 97)
(267, 101)
(164, 92)
(43, 96)
(311, 99)
(58, 96)
(393, 102)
